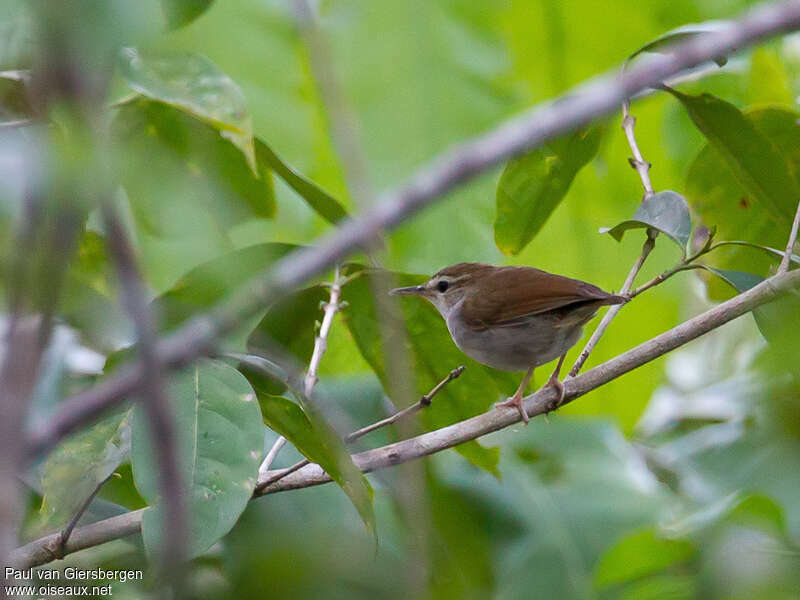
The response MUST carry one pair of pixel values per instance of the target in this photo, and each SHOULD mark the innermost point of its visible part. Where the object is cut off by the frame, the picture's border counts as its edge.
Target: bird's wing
(511, 296)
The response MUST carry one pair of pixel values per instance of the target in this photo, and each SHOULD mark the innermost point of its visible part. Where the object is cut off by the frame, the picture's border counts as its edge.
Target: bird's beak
(414, 290)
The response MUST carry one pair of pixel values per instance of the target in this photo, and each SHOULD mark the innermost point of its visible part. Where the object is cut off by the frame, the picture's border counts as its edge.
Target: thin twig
(597, 97)
(154, 395)
(331, 307)
(67, 531)
(637, 161)
(787, 257)
(37, 552)
(359, 433)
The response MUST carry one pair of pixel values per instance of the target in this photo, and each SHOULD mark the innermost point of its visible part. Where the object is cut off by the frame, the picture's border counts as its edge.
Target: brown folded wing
(513, 293)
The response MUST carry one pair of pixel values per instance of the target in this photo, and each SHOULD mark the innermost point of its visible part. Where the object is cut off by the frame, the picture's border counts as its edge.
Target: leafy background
(677, 480)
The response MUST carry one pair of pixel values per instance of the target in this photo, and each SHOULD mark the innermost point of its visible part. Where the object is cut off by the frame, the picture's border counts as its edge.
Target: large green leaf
(219, 444)
(722, 201)
(638, 554)
(326, 205)
(532, 186)
(315, 439)
(175, 165)
(433, 355)
(194, 84)
(666, 212)
(754, 158)
(79, 465)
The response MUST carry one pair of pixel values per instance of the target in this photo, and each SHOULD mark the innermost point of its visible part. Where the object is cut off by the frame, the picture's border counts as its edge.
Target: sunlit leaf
(769, 82)
(219, 444)
(715, 194)
(638, 554)
(532, 186)
(666, 212)
(79, 465)
(314, 438)
(755, 159)
(192, 83)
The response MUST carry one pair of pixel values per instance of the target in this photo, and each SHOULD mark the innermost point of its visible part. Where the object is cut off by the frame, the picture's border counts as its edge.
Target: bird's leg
(516, 399)
(556, 383)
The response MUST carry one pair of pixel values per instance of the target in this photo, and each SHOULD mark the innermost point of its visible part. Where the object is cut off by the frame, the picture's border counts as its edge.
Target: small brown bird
(513, 318)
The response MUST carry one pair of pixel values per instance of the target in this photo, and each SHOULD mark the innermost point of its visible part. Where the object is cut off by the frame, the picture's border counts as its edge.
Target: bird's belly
(515, 348)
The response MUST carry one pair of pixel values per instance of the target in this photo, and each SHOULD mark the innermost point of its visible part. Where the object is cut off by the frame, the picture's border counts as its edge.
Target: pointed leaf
(663, 43)
(666, 212)
(532, 186)
(314, 438)
(219, 440)
(753, 158)
(326, 205)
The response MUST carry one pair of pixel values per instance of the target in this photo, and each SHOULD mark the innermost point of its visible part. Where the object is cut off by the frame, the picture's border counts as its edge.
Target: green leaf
(14, 99)
(314, 438)
(666, 212)
(779, 320)
(768, 80)
(326, 205)
(219, 444)
(195, 85)
(754, 159)
(182, 12)
(433, 355)
(638, 554)
(532, 186)
(210, 283)
(720, 200)
(79, 465)
(663, 43)
(174, 165)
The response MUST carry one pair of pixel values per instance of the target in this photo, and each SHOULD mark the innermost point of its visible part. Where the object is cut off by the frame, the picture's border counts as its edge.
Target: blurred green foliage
(678, 480)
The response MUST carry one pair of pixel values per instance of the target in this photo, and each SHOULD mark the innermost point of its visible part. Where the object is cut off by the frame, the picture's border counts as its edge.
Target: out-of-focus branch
(787, 256)
(463, 162)
(37, 552)
(154, 395)
(359, 433)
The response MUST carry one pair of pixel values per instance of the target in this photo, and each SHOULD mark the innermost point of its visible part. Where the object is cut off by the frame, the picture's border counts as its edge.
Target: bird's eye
(442, 286)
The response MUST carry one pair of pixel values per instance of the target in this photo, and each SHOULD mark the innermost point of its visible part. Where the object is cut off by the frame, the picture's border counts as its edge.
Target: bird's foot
(514, 402)
(554, 382)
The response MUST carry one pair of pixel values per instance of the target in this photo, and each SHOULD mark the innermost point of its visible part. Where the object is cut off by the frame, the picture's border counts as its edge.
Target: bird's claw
(515, 402)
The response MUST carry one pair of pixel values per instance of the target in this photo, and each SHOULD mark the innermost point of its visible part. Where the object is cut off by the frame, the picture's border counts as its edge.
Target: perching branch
(542, 123)
(270, 478)
(787, 256)
(153, 389)
(38, 552)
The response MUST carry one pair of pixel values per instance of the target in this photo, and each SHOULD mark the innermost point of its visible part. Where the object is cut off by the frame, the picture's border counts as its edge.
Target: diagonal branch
(37, 552)
(465, 161)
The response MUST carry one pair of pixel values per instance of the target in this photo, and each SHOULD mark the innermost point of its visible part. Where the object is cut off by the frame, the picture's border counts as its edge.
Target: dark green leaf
(326, 205)
(754, 159)
(176, 166)
(666, 212)
(195, 85)
(14, 100)
(219, 443)
(182, 12)
(84, 461)
(433, 355)
(639, 554)
(320, 444)
(715, 194)
(532, 186)
(663, 43)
